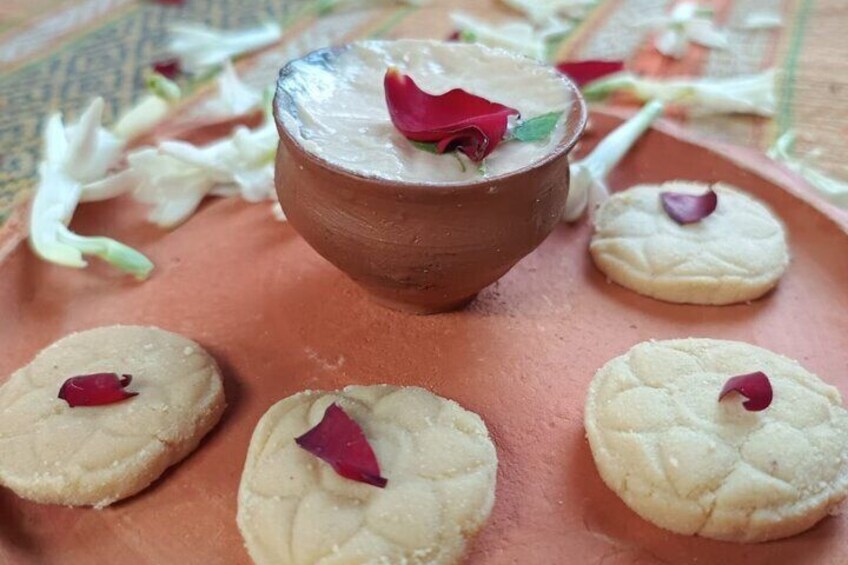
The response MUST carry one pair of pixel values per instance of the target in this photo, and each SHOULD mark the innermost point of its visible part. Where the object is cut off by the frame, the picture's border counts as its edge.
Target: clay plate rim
(577, 116)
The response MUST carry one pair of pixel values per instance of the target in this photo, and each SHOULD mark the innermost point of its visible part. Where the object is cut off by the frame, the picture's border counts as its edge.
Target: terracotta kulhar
(421, 248)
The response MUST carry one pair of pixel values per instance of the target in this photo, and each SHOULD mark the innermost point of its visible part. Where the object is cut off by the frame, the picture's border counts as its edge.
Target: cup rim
(576, 119)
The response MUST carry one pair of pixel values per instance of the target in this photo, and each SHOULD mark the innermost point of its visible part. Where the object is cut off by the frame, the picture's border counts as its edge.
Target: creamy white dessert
(339, 110)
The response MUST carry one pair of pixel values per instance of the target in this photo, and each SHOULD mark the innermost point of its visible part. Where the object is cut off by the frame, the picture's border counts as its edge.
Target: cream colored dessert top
(341, 114)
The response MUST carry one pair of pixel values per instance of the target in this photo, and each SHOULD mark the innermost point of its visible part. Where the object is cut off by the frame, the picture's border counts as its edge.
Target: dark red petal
(453, 37)
(169, 68)
(753, 386)
(584, 72)
(96, 389)
(338, 440)
(689, 208)
(454, 120)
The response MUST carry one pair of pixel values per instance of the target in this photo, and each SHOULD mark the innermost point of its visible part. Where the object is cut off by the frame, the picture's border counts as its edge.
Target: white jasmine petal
(516, 36)
(746, 94)
(587, 188)
(201, 48)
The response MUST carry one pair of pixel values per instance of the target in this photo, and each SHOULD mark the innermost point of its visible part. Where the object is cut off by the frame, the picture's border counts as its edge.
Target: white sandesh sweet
(687, 23)
(588, 188)
(201, 48)
(746, 94)
(783, 150)
(76, 157)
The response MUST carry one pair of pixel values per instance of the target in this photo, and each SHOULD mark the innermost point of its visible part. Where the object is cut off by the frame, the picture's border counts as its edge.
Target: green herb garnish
(427, 146)
(537, 128)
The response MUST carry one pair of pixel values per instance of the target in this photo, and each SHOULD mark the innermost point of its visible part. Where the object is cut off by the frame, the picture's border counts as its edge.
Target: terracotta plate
(280, 319)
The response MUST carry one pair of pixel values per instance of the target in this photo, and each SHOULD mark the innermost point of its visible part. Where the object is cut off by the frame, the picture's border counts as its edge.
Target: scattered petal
(587, 188)
(168, 68)
(584, 72)
(540, 10)
(235, 98)
(201, 48)
(761, 20)
(77, 158)
(339, 441)
(756, 387)
(746, 94)
(686, 208)
(687, 23)
(96, 389)
(454, 120)
(516, 36)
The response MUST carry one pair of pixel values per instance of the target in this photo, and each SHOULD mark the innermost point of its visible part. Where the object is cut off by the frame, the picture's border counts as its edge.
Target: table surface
(58, 54)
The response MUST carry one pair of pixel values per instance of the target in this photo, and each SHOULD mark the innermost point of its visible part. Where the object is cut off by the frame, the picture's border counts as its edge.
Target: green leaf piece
(427, 146)
(537, 128)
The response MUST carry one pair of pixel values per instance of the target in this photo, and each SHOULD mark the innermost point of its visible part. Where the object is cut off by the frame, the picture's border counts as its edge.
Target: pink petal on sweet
(339, 441)
(96, 389)
(756, 387)
(689, 208)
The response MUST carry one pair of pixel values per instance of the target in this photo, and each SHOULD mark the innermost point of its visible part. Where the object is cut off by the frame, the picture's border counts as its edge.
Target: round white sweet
(691, 464)
(95, 455)
(736, 254)
(438, 458)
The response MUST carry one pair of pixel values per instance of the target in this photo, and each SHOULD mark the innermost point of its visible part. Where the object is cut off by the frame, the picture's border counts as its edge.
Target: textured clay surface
(689, 463)
(737, 253)
(415, 246)
(438, 458)
(279, 319)
(95, 455)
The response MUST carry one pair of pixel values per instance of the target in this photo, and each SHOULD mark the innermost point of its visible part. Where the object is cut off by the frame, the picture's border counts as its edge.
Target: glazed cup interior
(419, 247)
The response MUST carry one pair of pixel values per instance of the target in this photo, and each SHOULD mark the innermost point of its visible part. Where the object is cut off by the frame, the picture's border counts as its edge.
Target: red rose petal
(169, 68)
(96, 389)
(454, 36)
(689, 208)
(338, 440)
(753, 386)
(454, 120)
(584, 72)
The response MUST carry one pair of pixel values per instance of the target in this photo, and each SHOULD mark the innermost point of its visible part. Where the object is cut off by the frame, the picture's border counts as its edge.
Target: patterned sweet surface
(737, 253)
(437, 457)
(688, 463)
(50, 452)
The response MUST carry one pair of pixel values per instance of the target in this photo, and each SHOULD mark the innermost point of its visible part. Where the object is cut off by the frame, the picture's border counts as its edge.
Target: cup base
(420, 308)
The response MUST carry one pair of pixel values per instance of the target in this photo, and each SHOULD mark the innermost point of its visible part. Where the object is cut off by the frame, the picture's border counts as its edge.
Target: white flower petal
(277, 212)
(142, 117)
(201, 48)
(746, 94)
(761, 20)
(235, 98)
(704, 33)
(109, 187)
(256, 184)
(672, 43)
(91, 150)
(516, 36)
(587, 188)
